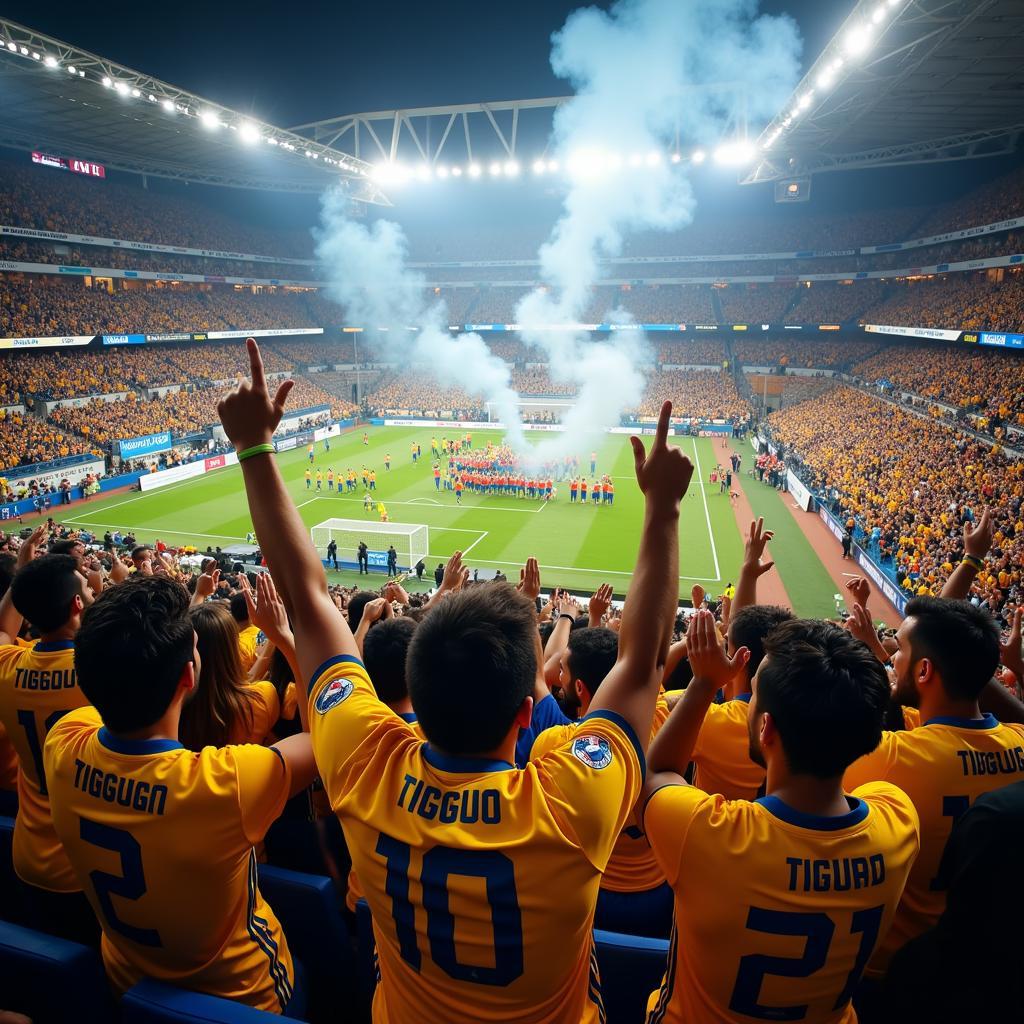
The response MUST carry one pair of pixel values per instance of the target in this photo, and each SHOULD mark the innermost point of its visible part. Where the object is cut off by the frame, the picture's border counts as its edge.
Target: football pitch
(578, 547)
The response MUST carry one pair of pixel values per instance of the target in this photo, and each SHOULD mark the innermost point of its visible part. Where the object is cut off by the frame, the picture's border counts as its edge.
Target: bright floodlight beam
(210, 119)
(249, 133)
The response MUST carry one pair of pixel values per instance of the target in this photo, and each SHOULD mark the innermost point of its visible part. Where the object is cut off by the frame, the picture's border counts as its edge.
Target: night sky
(344, 58)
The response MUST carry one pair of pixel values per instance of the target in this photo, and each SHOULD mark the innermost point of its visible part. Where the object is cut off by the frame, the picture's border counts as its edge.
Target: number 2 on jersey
(818, 929)
(439, 864)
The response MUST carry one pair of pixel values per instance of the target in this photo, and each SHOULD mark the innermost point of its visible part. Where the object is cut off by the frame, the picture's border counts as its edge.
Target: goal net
(410, 541)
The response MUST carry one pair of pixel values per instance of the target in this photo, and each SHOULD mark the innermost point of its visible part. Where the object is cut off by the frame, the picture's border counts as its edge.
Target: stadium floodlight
(248, 132)
(699, 156)
(879, 14)
(552, 166)
(457, 172)
(676, 158)
(210, 119)
(494, 169)
(511, 168)
(121, 88)
(734, 154)
(136, 94)
(805, 100)
(539, 167)
(50, 61)
(72, 70)
(36, 56)
(653, 158)
(24, 51)
(107, 83)
(423, 172)
(168, 105)
(787, 121)
(12, 46)
(857, 40)
(441, 171)
(636, 160)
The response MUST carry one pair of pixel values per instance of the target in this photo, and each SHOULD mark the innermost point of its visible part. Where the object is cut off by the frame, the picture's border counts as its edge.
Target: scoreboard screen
(76, 166)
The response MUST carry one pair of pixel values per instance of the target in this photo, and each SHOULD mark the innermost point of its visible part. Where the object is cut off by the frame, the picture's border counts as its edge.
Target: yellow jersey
(943, 766)
(38, 685)
(247, 646)
(161, 840)
(721, 754)
(776, 912)
(632, 867)
(8, 762)
(355, 890)
(457, 856)
(266, 710)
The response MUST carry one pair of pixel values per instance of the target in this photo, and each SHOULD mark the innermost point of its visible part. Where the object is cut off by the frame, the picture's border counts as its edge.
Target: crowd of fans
(913, 481)
(702, 394)
(26, 440)
(804, 353)
(971, 301)
(988, 381)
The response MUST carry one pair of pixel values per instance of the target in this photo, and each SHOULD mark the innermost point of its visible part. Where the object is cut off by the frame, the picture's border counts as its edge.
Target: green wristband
(256, 449)
(973, 561)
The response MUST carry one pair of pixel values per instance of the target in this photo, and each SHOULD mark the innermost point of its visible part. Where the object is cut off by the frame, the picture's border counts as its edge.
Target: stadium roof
(901, 83)
(75, 104)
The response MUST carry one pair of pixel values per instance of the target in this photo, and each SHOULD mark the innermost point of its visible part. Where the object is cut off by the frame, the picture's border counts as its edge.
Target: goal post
(410, 540)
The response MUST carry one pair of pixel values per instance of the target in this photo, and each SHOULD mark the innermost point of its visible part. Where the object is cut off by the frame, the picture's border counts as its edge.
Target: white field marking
(707, 514)
(466, 551)
(578, 568)
(160, 530)
(423, 501)
(308, 501)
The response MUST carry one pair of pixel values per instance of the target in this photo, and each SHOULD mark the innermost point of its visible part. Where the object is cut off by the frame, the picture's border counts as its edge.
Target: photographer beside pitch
(450, 827)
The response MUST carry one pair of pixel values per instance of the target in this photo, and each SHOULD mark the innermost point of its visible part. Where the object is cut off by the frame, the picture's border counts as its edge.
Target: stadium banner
(831, 522)
(940, 333)
(77, 339)
(286, 444)
(124, 339)
(323, 432)
(168, 337)
(186, 471)
(150, 444)
(1001, 340)
(73, 471)
(444, 424)
(950, 236)
(802, 496)
(284, 332)
(123, 243)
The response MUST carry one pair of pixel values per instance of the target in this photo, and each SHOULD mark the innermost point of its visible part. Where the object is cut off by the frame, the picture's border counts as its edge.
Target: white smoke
(368, 276)
(647, 74)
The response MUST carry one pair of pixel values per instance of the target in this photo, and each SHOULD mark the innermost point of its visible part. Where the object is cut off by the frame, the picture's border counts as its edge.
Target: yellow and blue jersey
(943, 766)
(631, 867)
(38, 686)
(161, 840)
(457, 855)
(721, 754)
(776, 912)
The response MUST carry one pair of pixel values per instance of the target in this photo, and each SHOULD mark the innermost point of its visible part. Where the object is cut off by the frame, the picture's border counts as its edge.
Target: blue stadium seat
(11, 899)
(631, 969)
(308, 907)
(151, 1002)
(52, 980)
(367, 950)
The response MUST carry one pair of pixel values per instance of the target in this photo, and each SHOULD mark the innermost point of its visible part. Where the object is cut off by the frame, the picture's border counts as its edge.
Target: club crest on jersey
(594, 751)
(333, 694)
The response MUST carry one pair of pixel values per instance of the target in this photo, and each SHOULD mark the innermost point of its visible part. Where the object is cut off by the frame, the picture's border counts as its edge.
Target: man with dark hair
(950, 753)
(162, 838)
(721, 755)
(143, 556)
(363, 556)
(356, 603)
(814, 875)
(70, 546)
(385, 650)
(37, 686)
(392, 561)
(448, 832)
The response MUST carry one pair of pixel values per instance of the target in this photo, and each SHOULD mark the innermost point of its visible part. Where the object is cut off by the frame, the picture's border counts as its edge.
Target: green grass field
(577, 547)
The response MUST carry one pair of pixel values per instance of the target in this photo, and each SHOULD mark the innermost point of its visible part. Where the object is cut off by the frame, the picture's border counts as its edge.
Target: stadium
(631, 474)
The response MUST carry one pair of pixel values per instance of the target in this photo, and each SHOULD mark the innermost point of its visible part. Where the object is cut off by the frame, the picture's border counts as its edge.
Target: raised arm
(250, 415)
(753, 568)
(631, 688)
(977, 541)
(672, 748)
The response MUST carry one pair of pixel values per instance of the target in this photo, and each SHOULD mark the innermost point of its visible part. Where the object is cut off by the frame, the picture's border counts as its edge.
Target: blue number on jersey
(129, 885)
(818, 929)
(439, 863)
(27, 720)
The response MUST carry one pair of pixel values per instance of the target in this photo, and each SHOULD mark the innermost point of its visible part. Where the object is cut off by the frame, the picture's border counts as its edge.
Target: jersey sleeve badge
(594, 751)
(333, 694)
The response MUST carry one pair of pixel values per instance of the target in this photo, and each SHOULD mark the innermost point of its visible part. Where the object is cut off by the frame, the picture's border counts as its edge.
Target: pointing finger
(661, 434)
(259, 382)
